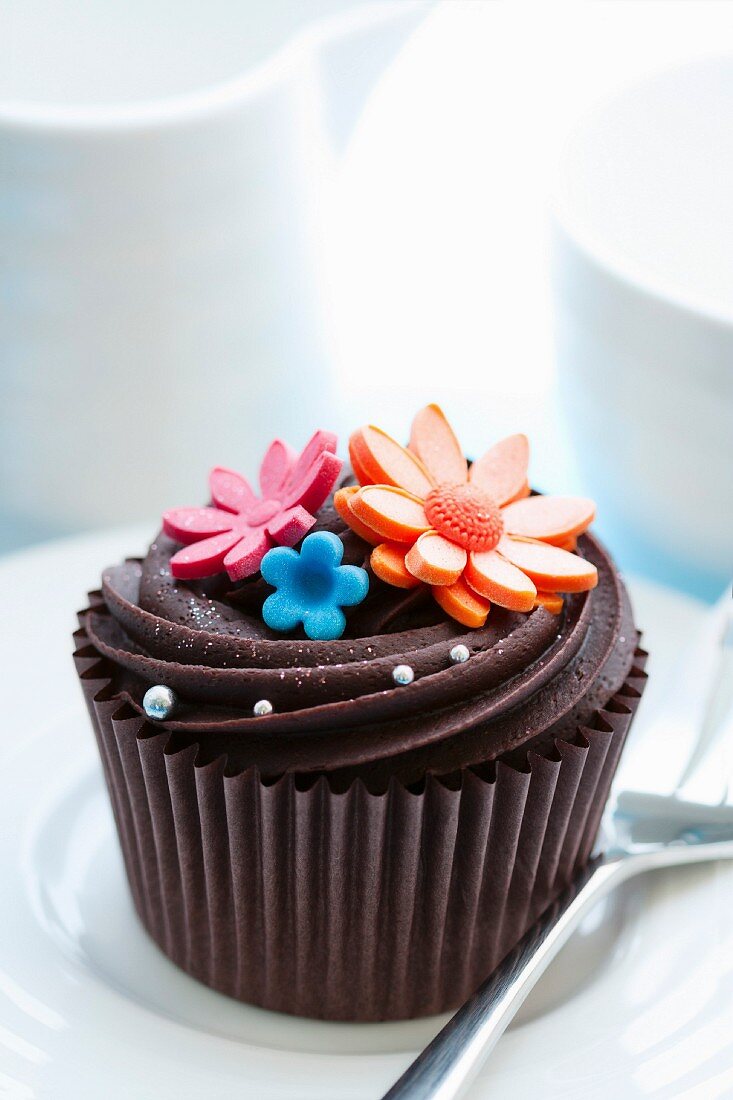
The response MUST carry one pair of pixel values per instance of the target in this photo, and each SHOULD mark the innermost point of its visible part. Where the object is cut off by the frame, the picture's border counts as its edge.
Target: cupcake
(358, 727)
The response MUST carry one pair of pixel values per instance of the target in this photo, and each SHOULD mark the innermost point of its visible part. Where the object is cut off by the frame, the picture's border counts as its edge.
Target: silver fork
(686, 818)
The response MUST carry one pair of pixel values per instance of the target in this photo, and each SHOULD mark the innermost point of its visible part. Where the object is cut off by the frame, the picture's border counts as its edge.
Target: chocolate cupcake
(356, 739)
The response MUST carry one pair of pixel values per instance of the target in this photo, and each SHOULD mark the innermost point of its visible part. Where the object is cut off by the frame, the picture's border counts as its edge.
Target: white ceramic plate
(639, 1005)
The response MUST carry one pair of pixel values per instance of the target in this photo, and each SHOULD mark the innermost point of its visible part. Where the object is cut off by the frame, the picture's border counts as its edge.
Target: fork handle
(451, 1061)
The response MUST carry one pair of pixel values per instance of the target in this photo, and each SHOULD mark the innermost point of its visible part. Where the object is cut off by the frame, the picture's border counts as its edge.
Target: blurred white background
(427, 143)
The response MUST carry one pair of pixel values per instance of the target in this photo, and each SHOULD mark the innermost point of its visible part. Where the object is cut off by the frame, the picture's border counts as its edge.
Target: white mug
(163, 257)
(643, 273)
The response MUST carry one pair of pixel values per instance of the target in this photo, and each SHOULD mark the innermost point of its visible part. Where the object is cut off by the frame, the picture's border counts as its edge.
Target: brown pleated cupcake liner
(347, 905)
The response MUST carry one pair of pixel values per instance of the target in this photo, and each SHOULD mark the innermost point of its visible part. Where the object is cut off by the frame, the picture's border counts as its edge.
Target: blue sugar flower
(312, 587)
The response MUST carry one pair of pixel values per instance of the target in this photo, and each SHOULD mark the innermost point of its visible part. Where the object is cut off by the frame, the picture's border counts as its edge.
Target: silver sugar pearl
(159, 702)
(262, 708)
(459, 654)
(403, 675)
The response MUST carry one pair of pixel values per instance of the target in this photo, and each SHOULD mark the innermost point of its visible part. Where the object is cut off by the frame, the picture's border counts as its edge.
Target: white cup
(164, 174)
(643, 272)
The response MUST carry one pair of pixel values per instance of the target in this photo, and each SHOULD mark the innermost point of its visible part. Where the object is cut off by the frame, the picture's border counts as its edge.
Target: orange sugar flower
(475, 535)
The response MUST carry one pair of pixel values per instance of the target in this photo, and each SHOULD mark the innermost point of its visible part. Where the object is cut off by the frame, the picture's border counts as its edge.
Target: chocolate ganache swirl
(530, 677)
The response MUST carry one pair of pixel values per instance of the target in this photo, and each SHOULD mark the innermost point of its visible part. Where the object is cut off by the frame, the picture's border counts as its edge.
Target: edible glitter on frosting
(336, 701)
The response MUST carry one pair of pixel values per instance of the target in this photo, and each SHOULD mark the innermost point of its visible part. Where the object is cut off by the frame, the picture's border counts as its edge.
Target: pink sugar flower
(235, 534)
